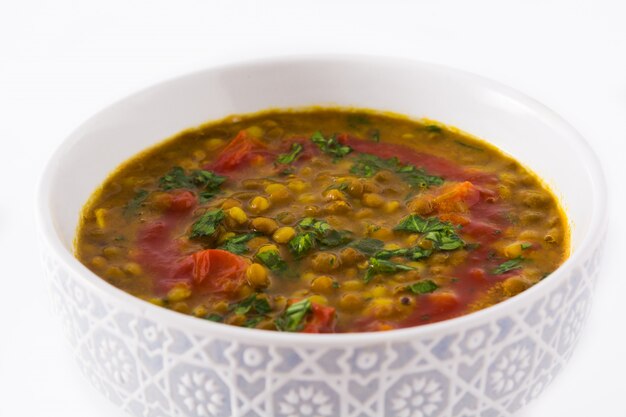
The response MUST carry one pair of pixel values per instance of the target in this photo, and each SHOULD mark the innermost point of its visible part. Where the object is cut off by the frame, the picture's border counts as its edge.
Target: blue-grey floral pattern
(492, 368)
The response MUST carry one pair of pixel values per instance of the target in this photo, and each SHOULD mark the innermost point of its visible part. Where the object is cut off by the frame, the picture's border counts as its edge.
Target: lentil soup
(323, 220)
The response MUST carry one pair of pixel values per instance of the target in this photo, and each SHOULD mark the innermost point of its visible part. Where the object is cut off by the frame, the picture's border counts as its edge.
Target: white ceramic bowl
(155, 362)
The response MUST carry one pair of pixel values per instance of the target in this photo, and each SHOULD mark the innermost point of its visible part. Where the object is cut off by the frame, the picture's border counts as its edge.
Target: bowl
(155, 362)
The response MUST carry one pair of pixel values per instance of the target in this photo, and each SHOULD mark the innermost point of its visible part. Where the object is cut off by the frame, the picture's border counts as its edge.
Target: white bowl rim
(171, 318)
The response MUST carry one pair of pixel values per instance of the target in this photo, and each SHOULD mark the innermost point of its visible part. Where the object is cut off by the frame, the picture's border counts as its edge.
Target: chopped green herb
(433, 128)
(175, 178)
(292, 319)
(375, 135)
(414, 254)
(287, 158)
(354, 120)
(422, 287)
(253, 321)
(206, 179)
(341, 186)
(509, 265)
(330, 146)
(317, 226)
(418, 178)
(442, 234)
(336, 284)
(526, 245)
(206, 182)
(238, 244)
(466, 145)
(322, 234)
(391, 253)
(334, 239)
(367, 246)
(416, 224)
(445, 239)
(255, 309)
(381, 266)
(136, 202)
(272, 260)
(251, 304)
(367, 165)
(207, 224)
(214, 317)
(205, 196)
(201, 179)
(287, 171)
(301, 244)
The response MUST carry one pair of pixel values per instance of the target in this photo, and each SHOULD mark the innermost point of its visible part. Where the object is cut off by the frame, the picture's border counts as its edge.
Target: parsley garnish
(418, 178)
(433, 128)
(206, 179)
(367, 165)
(207, 224)
(341, 186)
(445, 239)
(301, 244)
(272, 260)
(136, 202)
(205, 196)
(292, 319)
(206, 182)
(509, 265)
(317, 233)
(255, 309)
(467, 145)
(176, 178)
(416, 224)
(253, 321)
(318, 226)
(382, 266)
(251, 304)
(287, 171)
(442, 234)
(357, 119)
(422, 287)
(414, 254)
(287, 158)
(334, 238)
(214, 317)
(526, 245)
(330, 146)
(368, 246)
(237, 244)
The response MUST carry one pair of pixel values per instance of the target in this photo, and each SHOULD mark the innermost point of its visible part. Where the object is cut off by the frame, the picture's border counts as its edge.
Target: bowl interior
(516, 124)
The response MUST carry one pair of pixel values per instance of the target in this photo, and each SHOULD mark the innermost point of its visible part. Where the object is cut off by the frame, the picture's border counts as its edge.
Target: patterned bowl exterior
(489, 365)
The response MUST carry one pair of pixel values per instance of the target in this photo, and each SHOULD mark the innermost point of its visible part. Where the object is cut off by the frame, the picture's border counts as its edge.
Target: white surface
(62, 61)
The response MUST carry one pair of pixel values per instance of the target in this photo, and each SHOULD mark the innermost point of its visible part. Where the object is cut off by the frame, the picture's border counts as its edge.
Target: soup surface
(323, 220)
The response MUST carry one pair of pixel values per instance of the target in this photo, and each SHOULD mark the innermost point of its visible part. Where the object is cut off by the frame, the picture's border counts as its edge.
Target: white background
(61, 61)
